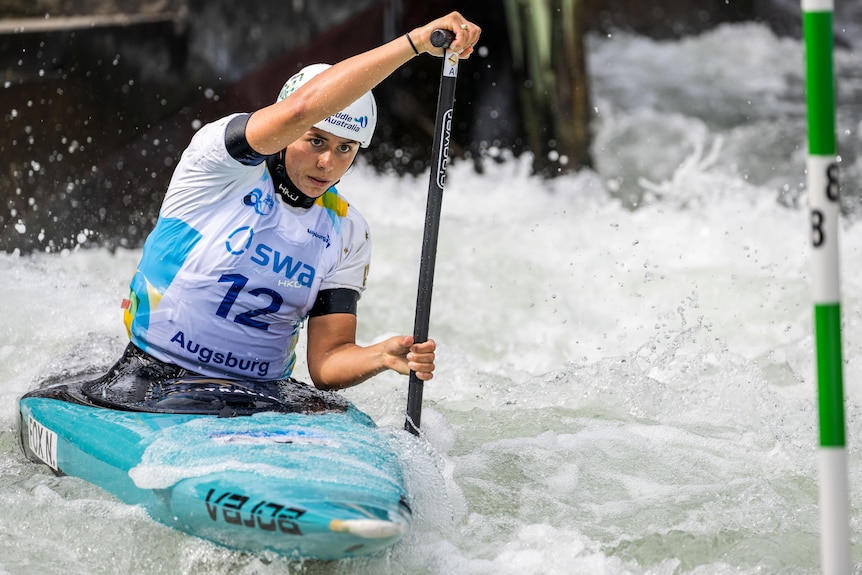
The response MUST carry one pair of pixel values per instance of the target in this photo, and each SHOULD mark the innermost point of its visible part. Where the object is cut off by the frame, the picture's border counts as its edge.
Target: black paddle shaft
(440, 157)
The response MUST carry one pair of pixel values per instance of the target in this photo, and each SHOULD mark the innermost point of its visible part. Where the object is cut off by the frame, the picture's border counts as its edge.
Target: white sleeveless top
(230, 271)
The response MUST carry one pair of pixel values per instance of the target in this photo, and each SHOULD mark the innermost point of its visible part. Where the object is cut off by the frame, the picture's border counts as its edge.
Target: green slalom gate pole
(822, 181)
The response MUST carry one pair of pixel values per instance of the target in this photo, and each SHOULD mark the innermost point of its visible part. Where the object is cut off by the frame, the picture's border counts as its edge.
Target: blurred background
(99, 97)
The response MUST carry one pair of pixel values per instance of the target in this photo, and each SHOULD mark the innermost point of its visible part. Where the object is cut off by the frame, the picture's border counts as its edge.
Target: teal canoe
(286, 468)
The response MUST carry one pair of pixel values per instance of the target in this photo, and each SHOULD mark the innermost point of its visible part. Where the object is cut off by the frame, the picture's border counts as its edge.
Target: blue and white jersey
(231, 271)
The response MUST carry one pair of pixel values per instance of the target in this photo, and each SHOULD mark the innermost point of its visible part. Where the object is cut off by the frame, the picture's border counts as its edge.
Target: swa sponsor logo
(242, 240)
(239, 240)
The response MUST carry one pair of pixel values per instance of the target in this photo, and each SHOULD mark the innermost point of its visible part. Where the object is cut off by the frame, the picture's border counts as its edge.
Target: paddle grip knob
(442, 38)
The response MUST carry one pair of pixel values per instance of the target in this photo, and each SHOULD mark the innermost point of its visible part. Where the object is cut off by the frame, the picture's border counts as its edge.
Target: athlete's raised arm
(272, 128)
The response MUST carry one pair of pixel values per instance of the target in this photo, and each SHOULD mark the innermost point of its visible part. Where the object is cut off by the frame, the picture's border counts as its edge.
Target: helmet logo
(363, 121)
(290, 86)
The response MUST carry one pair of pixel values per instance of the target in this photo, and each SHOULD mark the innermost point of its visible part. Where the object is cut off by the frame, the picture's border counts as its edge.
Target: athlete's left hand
(404, 356)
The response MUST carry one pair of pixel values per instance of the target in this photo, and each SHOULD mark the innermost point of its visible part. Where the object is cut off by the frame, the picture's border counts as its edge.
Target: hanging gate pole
(822, 181)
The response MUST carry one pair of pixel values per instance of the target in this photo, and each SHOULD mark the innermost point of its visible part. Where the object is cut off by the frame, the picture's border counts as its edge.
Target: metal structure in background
(548, 55)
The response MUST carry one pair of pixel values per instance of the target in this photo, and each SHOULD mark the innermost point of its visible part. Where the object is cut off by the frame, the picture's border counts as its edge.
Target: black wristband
(412, 45)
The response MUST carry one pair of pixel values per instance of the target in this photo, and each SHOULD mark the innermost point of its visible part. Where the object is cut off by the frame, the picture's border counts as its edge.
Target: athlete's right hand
(466, 35)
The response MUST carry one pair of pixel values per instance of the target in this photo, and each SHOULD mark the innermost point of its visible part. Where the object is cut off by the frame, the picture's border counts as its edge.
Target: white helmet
(355, 122)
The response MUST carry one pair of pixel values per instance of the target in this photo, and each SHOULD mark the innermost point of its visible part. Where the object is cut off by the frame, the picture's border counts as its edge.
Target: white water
(619, 391)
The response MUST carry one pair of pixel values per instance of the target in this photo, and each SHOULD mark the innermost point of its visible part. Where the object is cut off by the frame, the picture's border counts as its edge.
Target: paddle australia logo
(297, 273)
(239, 509)
(347, 121)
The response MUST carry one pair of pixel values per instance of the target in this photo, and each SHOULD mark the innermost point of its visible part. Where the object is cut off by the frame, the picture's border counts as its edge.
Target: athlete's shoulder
(207, 173)
(208, 144)
(216, 128)
(353, 240)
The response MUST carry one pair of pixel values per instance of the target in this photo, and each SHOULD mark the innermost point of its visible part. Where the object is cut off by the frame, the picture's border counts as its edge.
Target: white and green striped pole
(825, 212)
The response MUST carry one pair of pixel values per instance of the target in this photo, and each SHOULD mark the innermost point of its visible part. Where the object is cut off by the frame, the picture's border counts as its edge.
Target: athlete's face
(317, 160)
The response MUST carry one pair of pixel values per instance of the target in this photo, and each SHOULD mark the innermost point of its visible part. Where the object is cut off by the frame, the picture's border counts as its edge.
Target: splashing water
(625, 378)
